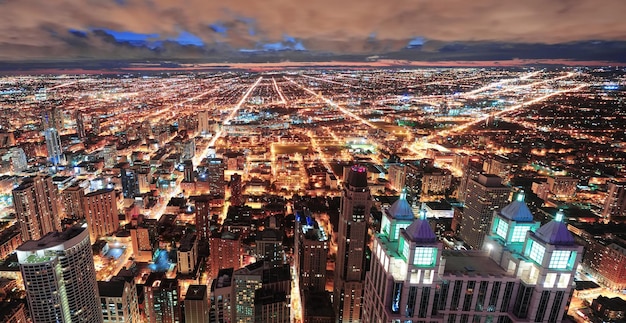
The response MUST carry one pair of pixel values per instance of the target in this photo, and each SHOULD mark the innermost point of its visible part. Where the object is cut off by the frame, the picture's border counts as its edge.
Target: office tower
(60, 277)
(19, 162)
(109, 153)
(80, 125)
(187, 253)
(53, 118)
(484, 196)
(130, 184)
(196, 304)
(53, 144)
(95, 125)
(311, 243)
(271, 306)
(470, 172)
(269, 247)
(161, 299)
(397, 176)
(524, 273)
(72, 201)
(249, 280)
(203, 122)
(188, 171)
(222, 299)
(141, 240)
(101, 213)
(35, 202)
(118, 300)
(203, 215)
(352, 239)
(236, 190)
(563, 186)
(615, 203)
(225, 252)
(215, 176)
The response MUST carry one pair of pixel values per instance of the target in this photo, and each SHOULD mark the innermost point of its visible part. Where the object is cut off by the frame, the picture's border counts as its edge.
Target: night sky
(37, 30)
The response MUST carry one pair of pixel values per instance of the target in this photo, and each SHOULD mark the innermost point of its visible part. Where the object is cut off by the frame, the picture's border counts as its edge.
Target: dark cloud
(34, 29)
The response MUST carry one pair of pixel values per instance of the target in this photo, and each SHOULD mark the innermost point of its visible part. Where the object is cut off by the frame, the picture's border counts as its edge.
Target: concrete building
(269, 247)
(187, 254)
(523, 274)
(72, 201)
(225, 252)
(118, 299)
(471, 170)
(352, 239)
(562, 186)
(215, 168)
(101, 213)
(615, 203)
(35, 201)
(311, 253)
(196, 304)
(60, 277)
(485, 195)
(53, 144)
(161, 299)
(222, 299)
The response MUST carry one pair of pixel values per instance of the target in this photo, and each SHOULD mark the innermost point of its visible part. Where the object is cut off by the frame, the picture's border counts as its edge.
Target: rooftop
(196, 292)
(471, 263)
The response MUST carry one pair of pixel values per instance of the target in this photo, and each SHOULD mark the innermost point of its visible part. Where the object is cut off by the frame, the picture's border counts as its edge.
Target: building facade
(311, 253)
(36, 207)
(352, 239)
(60, 277)
(101, 213)
(615, 203)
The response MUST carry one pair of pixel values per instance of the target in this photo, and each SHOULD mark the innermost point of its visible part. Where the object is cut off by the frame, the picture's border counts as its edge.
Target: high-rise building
(222, 298)
(161, 299)
(225, 252)
(215, 176)
(471, 170)
(271, 306)
(269, 247)
(615, 203)
(188, 171)
(95, 125)
(397, 176)
(72, 201)
(484, 196)
(352, 239)
(60, 277)
(53, 144)
(524, 273)
(101, 213)
(19, 162)
(203, 215)
(256, 278)
(203, 122)
(118, 299)
(311, 243)
(187, 253)
(80, 125)
(563, 186)
(196, 304)
(109, 153)
(35, 202)
(130, 183)
(236, 190)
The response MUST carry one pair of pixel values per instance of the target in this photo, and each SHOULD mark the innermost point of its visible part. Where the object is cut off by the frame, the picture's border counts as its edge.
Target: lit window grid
(536, 252)
(519, 234)
(423, 256)
(502, 229)
(559, 259)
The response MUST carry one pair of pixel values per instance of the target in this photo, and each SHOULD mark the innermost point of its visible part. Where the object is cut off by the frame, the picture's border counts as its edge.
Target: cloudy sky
(32, 30)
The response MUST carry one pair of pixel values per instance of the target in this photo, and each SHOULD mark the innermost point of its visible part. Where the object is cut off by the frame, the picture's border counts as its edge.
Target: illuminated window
(519, 234)
(424, 256)
(564, 280)
(550, 280)
(536, 252)
(502, 229)
(559, 259)
(405, 248)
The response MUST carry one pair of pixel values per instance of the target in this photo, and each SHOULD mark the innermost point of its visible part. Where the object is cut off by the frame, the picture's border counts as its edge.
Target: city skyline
(239, 31)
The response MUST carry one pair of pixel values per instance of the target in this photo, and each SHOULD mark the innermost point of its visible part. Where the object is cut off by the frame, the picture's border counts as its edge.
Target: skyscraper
(130, 184)
(203, 215)
(188, 171)
(161, 299)
(484, 195)
(615, 203)
(203, 122)
(118, 299)
(215, 176)
(471, 171)
(236, 190)
(101, 213)
(60, 277)
(72, 201)
(524, 274)
(196, 304)
(35, 202)
(53, 144)
(352, 239)
(311, 245)
(80, 125)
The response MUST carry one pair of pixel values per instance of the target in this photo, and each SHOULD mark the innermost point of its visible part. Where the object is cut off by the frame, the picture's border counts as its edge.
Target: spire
(403, 194)
(555, 232)
(559, 216)
(517, 210)
(401, 209)
(521, 196)
(423, 214)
